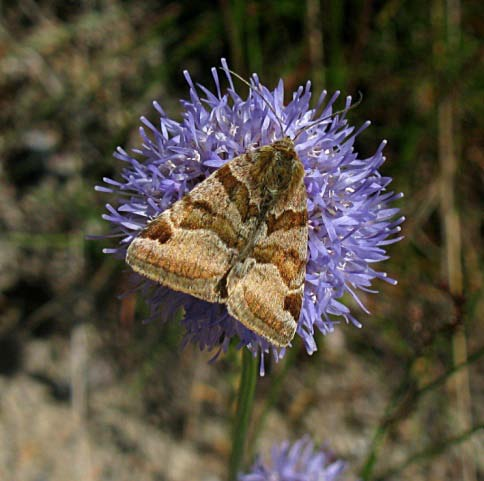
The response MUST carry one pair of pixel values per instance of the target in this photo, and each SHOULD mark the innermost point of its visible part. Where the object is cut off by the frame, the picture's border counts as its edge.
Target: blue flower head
(350, 215)
(299, 462)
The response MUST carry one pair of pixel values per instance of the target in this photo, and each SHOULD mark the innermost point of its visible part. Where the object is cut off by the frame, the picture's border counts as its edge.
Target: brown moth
(239, 238)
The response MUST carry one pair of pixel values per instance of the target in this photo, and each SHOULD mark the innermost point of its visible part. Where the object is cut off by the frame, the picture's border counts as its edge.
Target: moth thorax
(283, 169)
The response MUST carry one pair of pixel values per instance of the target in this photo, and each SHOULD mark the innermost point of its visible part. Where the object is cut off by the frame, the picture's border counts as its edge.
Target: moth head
(287, 166)
(284, 145)
(285, 150)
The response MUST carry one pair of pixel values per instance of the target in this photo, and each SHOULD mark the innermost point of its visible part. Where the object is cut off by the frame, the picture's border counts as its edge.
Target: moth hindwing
(240, 238)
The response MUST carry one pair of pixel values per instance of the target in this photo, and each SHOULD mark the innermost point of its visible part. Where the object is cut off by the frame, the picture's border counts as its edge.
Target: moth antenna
(254, 89)
(351, 107)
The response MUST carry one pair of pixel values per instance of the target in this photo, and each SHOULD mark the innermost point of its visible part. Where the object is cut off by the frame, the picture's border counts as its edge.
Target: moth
(239, 238)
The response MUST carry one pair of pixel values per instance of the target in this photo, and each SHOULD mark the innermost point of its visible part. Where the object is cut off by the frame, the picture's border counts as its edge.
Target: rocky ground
(67, 414)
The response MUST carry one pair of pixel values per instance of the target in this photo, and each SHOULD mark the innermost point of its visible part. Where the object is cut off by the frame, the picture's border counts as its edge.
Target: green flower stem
(271, 398)
(243, 412)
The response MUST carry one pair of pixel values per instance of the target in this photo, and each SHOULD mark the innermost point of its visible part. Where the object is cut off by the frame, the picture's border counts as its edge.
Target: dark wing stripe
(237, 192)
(287, 261)
(286, 221)
(159, 230)
(293, 304)
(200, 215)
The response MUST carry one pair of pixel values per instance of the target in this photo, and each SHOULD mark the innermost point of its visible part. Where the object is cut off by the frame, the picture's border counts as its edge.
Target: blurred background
(88, 392)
